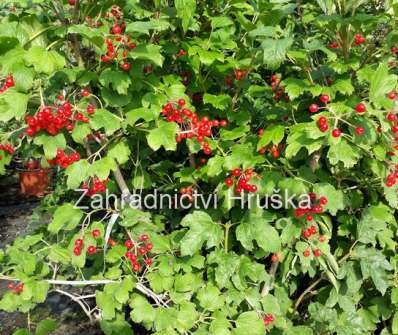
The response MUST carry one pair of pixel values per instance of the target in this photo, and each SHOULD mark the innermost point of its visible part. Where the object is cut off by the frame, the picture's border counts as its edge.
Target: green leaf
(120, 152)
(185, 11)
(381, 83)
(343, 152)
(394, 325)
(43, 60)
(186, 316)
(145, 27)
(221, 101)
(106, 120)
(13, 105)
(272, 134)
(118, 80)
(202, 230)
(210, 298)
(256, 228)
(142, 310)
(275, 51)
(80, 132)
(46, 327)
(102, 168)
(77, 173)
(164, 135)
(220, 326)
(66, 217)
(50, 144)
(148, 52)
(249, 323)
(373, 220)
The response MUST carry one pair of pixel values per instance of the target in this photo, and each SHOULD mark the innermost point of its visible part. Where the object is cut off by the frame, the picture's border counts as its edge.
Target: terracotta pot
(34, 183)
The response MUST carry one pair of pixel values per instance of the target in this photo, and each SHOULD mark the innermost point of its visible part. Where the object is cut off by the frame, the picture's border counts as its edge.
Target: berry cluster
(139, 249)
(268, 319)
(7, 148)
(63, 118)
(307, 253)
(316, 208)
(79, 243)
(187, 192)
(279, 91)
(190, 124)
(17, 289)
(275, 150)
(63, 160)
(242, 179)
(32, 164)
(359, 39)
(239, 74)
(94, 186)
(8, 82)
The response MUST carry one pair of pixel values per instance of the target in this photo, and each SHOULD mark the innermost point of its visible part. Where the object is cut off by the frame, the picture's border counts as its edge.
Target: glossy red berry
(392, 95)
(322, 238)
(324, 98)
(322, 120)
(148, 261)
(79, 242)
(236, 172)
(360, 108)
(359, 131)
(144, 237)
(126, 66)
(391, 117)
(309, 218)
(77, 251)
(10, 286)
(323, 127)
(142, 251)
(149, 246)
(306, 253)
(317, 253)
(229, 182)
(314, 108)
(91, 250)
(181, 102)
(96, 233)
(323, 201)
(72, 2)
(129, 244)
(336, 132)
(275, 258)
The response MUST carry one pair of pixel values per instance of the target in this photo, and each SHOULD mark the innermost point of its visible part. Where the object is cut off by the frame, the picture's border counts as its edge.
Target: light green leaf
(43, 60)
(164, 135)
(66, 217)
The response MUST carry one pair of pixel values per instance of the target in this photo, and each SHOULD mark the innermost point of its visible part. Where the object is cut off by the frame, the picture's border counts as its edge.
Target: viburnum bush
(234, 98)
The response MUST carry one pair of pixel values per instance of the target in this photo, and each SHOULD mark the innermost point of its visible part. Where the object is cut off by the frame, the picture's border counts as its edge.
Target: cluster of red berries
(187, 192)
(181, 53)
(190, 124)
(8, 82)
(316, 208)
(63, 118)
(137, 250)
(307, 253)
(7, 148)
(279, 91)
(94, 186)
(79, 243)
(63, 160)
(275, 150)
(239, 74)
(32, 164)
(359, 39)
(17, 289)
(242, 179)
(268, 319)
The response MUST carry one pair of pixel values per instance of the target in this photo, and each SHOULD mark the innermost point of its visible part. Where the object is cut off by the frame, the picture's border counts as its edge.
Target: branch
(79, 301)
(272, 273)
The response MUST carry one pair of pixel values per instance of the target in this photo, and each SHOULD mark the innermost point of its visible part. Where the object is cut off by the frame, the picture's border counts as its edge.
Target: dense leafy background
(212, 271)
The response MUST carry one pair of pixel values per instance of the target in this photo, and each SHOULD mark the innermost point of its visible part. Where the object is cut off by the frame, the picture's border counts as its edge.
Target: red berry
(359, 131)
(392, 95)
(324, 98)
(309, 218)
(128, 254)
(10, 285)
(394, 50)
(322, 238)
(136, 267)
(306, 253)
(129, 244)
(142, 251)
(323, 201)
(322, 120)
(91, 250)
(275, 258)
(126, 66)
(336, 132)
(236, 172)
(149, 246)
(148, 261)
(323, 127)
(181, 102)
(229, 182)
(79, 243)
(77, 251)
(314, 108)
(391, 117)
(144, 237)
(223, 123)
(394, 128)
(317, 253)
(72, 2)
(30, 131)
(96, 233)
(360, 108)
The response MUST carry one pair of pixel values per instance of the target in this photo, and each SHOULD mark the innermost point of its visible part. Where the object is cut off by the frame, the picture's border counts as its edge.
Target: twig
(272, 273)
(77, 300)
